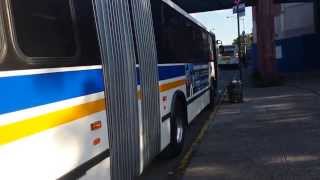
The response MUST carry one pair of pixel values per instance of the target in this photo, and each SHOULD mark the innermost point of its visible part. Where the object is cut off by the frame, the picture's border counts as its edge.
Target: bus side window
(179, 40)
(86, 28)
(1, 39)
(44, 28)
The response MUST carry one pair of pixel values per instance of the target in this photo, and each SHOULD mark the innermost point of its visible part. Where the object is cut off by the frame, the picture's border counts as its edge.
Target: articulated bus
(53, 122)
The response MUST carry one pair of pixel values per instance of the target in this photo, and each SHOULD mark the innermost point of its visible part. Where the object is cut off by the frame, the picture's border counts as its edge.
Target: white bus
(229, 56)
(53, 122)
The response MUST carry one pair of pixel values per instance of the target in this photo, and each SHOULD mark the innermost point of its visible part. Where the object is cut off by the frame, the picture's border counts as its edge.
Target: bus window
(1, 39)
(178, 39)
(86, 28)
(228, 53)
(44, 28)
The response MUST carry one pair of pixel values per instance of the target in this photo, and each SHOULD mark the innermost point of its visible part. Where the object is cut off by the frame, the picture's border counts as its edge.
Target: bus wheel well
(178, 100)
(178, 126)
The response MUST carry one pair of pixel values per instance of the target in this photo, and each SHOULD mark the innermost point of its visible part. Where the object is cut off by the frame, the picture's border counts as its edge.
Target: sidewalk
(274, 135)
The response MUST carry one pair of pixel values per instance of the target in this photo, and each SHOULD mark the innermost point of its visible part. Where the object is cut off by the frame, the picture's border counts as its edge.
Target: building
(297, 37)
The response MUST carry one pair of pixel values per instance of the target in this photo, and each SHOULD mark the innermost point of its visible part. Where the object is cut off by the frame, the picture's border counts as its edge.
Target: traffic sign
(241, 9)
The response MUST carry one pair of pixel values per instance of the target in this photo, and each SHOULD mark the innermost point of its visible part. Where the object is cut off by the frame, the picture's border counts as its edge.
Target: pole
(265, 36)
(239, 43)
(243, 24)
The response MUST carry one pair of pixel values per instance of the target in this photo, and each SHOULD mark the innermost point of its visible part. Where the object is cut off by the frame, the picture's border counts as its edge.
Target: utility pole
(239, 42)
(265, 37)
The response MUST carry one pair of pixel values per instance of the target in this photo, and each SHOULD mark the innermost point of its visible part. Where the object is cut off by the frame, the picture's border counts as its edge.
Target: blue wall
(254, 58)
(298, 54)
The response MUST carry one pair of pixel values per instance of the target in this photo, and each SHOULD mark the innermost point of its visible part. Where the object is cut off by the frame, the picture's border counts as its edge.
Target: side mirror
(221, 49)
(219, 42)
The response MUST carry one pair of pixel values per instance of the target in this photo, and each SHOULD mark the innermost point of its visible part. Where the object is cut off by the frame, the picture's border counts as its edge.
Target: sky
(224, 24)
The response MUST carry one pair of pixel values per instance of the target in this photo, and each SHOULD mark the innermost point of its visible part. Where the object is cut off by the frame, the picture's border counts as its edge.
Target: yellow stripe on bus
(28, 127)
(172, 85)
(166, 87)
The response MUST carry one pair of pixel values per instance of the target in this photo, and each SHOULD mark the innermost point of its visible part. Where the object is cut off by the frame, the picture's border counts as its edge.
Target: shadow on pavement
(273, 135)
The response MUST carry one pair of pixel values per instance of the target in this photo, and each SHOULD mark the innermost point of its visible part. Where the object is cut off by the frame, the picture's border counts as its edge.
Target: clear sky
(224, 24)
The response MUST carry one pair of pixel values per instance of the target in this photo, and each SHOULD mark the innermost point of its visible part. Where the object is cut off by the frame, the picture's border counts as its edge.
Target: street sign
(241, 9)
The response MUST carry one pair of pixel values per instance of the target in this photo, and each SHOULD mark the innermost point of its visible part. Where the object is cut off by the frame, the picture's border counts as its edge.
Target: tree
(245, 40)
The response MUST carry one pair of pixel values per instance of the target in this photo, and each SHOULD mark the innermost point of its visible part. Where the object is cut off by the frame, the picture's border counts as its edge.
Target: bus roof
(184, 13)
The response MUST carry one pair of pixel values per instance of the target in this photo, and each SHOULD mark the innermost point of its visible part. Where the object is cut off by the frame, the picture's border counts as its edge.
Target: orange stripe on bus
(172, 85)
(28, 127)
(166, 87)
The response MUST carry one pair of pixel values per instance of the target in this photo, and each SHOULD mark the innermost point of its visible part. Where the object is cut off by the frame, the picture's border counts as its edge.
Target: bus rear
(229, 56)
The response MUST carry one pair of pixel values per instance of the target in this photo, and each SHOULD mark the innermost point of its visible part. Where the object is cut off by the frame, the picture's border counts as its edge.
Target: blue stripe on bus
(21, 92)
(166, 72)
(27, 91)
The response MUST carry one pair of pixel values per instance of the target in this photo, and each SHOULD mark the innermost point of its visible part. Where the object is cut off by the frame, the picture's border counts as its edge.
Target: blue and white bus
(53, 122)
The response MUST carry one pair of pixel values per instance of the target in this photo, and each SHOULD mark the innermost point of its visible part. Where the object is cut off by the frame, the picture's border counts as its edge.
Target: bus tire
(212, 93)
(178, 124)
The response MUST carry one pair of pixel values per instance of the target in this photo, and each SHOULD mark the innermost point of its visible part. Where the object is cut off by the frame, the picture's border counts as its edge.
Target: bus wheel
(178, 129)
(212, 93)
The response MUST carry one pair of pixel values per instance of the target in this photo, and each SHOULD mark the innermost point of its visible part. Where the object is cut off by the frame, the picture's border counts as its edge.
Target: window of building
(44, 28)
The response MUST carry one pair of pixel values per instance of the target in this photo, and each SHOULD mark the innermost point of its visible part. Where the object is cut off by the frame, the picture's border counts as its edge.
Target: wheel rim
(179, 135)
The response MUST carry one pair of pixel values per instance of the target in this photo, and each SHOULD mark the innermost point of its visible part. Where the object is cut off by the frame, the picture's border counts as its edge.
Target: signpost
(239, 11)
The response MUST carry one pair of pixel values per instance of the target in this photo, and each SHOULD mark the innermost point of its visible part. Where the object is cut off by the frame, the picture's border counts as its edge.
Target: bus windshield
(228, 53)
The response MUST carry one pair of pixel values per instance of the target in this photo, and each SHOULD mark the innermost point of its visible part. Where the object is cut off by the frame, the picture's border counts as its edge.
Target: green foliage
(245, 40)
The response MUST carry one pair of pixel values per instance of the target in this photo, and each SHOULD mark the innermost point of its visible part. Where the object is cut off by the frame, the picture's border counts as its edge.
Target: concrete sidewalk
(274, 135)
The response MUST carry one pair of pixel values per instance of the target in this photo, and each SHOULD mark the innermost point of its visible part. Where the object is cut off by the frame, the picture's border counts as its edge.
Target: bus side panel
(193, 81)
(196, 107)
(51, 122)
(101, 171)
(172, 78)
(197, 88)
